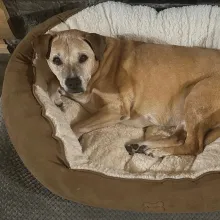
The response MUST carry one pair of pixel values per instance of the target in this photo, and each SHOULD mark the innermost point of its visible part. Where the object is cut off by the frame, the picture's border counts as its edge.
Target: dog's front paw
(58, 103)
(135, 148)
(62, 92)
(56, 99)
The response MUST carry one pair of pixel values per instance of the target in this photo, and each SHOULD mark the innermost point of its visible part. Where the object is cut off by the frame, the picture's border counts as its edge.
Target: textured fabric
(22, 197)
(26, 14)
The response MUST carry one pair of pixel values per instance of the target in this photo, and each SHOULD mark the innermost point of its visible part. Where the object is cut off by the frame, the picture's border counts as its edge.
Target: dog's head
(73, 56)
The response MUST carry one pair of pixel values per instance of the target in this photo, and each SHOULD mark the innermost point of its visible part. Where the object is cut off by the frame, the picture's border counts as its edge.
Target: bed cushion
(31, 135)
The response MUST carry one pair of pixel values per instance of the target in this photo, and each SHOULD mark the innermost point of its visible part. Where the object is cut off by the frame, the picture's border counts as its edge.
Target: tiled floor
(3, 63)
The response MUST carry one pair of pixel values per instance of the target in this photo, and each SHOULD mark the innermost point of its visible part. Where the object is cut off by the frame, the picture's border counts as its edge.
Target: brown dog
(139, 84)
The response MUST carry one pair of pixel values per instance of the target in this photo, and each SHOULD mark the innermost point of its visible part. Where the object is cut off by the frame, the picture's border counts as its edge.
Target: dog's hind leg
(163, 137)
(201, 114)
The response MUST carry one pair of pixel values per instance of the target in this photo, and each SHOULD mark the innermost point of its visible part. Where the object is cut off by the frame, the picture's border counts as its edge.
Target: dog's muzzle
(74, 85)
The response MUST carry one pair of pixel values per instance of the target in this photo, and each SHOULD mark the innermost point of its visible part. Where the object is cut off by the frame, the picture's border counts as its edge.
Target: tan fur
(142, 84)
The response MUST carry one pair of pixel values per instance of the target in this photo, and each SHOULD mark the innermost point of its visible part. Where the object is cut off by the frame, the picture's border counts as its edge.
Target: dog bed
(99, 171)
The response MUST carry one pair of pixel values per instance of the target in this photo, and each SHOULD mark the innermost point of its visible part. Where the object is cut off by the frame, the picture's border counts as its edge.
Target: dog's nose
(73, 83)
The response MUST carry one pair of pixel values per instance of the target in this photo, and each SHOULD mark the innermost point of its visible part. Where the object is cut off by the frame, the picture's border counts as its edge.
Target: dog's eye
(57, 61)
(83, 58)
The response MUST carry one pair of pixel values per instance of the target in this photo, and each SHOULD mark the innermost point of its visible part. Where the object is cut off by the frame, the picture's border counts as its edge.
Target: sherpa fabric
(103, 150)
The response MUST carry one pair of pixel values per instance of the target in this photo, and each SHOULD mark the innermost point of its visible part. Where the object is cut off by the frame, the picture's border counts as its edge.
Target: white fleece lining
(103, 150)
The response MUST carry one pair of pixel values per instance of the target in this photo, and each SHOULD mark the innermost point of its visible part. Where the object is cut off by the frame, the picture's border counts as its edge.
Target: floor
(3, 63)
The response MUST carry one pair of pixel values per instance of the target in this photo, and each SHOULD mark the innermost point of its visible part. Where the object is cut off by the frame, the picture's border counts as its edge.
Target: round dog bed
(100, 172)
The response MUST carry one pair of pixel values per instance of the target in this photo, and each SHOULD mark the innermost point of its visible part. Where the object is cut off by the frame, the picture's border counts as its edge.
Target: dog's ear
(42, 45)
(97, 43)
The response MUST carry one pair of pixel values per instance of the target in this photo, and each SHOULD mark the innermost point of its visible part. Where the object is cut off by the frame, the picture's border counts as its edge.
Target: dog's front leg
(106, 116)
